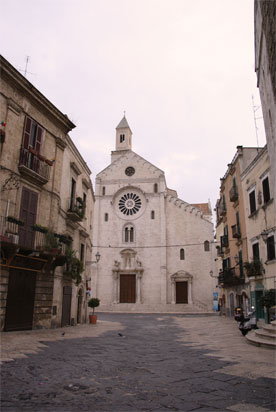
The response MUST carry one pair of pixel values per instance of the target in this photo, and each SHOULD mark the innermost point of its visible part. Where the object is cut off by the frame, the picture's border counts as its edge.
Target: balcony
(34, 167)
(228, 277)
(254, 268)
(224, 242)
(233, 194)
(236, 231)
(9, 229)
(76, 209)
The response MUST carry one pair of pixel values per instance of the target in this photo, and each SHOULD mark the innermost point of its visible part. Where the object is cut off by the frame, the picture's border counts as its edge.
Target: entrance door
(127, 288)
(181, 291)
(28, 215)
(66, 306)
(20, 300)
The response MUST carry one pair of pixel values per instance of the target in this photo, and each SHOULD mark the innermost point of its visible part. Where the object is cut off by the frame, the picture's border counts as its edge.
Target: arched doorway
(80, 296)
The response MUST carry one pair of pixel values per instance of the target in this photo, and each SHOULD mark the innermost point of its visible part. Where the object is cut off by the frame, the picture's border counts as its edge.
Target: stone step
(143, 308)
(263, 334)
(270, 329)
(254, 339)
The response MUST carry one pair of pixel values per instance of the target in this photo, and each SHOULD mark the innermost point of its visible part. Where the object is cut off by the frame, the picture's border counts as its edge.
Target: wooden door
(66, 306)
(127, 288)
(28, 210)
(79, 306)
(181, 291)
(20, 300)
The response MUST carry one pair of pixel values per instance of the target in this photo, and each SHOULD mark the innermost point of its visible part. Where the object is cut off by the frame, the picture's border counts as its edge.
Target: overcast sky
(183, 70)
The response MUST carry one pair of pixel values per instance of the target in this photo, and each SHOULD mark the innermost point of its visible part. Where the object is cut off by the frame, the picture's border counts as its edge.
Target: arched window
(152, 214)
(155, 187)
(128, 234)
(122, 138)
(182, 254)
(206, 246)
(103, 190)
(106, 217)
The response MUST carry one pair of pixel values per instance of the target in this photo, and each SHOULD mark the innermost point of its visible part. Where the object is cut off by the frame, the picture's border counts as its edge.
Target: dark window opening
(155, 188)
(206, 246)
(73, 191)
(122, 138)
(152, 214)
(182, 254)
(252, 202)
(82, 248)
(266, 191)
(270, 248)
(106, 217)
(103, 191)
(256, 251)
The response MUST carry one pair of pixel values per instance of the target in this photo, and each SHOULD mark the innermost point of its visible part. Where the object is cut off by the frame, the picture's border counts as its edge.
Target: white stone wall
(156, 240)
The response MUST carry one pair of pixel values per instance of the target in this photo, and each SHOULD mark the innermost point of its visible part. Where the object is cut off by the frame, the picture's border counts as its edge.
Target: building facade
(157, 251)
(35, 238)
(231, 234)
(261, 228)
(265, 67)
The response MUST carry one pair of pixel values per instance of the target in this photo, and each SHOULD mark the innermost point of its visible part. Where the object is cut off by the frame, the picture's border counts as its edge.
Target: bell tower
(123, 135)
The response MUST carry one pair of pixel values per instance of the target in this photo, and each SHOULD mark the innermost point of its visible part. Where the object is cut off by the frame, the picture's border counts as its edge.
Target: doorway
(127, 288)
(181, 292)
(20, 300)
(66, 306)
(79, 306)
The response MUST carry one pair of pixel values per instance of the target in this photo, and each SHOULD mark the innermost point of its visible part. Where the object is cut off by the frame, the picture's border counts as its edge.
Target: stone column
(138, 286)
(173, 298)
(115, 287)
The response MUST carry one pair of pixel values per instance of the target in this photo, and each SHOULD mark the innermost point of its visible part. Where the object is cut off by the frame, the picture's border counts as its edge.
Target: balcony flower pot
(93, 303)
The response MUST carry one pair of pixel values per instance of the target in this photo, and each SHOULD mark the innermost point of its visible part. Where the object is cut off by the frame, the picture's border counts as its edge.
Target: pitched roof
(123, 124)
(204, 207)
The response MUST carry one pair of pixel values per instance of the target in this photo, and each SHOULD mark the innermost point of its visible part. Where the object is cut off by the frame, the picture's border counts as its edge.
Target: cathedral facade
(157, 251)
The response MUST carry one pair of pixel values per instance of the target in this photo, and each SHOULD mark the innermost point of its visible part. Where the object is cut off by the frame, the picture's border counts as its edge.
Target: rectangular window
(252, 201)
(270, 248)
(82, 249)
(73, 192)
(256, 251)
(32, 135)
(266, 191)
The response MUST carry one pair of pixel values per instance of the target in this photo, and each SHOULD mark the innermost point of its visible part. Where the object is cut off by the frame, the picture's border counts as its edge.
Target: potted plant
(93, 303)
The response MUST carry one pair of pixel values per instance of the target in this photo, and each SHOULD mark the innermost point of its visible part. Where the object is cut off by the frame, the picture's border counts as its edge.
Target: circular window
(130, 204)
(130, 171)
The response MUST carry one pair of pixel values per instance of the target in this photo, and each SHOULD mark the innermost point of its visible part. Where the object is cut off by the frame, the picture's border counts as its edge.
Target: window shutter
(26, 133)
(38, 141)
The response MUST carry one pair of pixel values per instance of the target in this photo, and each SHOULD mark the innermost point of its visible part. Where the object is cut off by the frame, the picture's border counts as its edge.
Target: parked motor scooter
(247, 322)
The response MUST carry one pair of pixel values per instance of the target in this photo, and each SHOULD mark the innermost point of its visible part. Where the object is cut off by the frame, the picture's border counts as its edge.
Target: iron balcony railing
(230, 277)
(33, 162)
(236, 231)
(233, 194)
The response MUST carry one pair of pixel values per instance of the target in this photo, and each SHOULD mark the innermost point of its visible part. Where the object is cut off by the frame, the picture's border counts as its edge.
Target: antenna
(26, 66)
(27, 61)
(255, 109)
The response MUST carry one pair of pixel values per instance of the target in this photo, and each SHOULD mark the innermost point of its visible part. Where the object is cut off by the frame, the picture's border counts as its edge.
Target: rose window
(130, 204)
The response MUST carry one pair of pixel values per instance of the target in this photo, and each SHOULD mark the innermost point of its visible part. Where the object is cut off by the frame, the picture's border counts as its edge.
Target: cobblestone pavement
(137, 363)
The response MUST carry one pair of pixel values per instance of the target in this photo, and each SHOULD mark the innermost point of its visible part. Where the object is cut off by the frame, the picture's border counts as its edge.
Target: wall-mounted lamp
(212, 274)
(264, 235)
(98, 257)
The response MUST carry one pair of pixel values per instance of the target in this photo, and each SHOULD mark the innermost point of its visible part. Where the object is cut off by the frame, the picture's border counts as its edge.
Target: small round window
(130, 204)
(130, 171)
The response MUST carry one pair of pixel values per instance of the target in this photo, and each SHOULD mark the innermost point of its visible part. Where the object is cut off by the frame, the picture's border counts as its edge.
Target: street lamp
(98, 257)
(264, 235)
